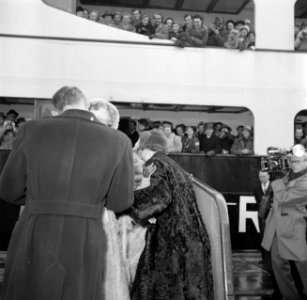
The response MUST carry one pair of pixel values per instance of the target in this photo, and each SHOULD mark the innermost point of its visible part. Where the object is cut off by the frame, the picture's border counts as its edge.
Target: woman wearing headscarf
(176, 261)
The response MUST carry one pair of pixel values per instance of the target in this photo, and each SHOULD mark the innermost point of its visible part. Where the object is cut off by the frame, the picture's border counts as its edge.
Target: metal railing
(213, 209)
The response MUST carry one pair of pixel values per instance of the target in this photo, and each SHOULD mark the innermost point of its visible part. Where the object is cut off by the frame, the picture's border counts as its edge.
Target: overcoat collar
(78, 113)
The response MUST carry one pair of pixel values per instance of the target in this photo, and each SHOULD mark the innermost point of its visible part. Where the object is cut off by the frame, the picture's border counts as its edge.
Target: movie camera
(277, 161)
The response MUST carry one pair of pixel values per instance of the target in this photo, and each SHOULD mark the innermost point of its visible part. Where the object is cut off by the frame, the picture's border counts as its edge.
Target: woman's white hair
(105, 112)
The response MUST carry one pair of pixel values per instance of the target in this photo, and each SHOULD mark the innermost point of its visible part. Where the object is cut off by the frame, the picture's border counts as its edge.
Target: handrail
(224, 235)
(109, 41)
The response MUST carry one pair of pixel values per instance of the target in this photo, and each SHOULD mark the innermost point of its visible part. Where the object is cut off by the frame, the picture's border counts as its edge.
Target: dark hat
(108, 13)
(167, 123)
(12, 112)
(153, 140)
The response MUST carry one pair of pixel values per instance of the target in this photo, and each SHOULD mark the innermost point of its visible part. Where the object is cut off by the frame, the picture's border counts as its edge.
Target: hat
(12, 112)
(248, 128)
(153, 140)
(168, 124)
(107, 13)
(244, 27)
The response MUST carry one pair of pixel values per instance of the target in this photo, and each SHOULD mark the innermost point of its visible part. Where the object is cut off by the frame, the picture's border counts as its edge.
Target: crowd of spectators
(9, 125)
(192, 31)
(300, 36)
(207, 138)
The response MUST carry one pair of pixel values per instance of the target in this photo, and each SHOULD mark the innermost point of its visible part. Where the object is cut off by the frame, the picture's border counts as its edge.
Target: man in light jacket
(285, 231)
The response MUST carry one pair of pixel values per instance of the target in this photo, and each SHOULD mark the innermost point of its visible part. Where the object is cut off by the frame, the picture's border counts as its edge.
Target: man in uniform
(65, 170)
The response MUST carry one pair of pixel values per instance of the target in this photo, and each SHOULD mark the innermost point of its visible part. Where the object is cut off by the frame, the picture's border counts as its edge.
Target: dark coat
(176, 261)
(190, 145)
(209, 144)
(65, 169)
(148, 30)
(258, 192)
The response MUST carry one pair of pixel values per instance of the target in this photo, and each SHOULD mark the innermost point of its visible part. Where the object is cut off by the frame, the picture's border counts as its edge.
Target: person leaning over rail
(176, 261)
(285, 231)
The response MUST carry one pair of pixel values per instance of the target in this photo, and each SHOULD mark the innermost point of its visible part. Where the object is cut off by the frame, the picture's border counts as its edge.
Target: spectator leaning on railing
(301, 39)
(187, 34)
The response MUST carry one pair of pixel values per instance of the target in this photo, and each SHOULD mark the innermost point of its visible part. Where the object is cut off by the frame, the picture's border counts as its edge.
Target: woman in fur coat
(176, 261)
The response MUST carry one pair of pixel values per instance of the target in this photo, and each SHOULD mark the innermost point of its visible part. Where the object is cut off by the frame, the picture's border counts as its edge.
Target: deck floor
(251, 280)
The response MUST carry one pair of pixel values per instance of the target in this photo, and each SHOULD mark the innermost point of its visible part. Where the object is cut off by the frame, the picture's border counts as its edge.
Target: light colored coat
(286, 218)
(174, 143)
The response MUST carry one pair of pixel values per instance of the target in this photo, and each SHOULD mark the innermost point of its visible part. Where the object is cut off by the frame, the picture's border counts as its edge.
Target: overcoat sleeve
(290, 195)
(151, 201)
(13, 177)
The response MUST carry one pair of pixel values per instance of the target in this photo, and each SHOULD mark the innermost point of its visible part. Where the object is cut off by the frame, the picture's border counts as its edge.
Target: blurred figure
(145, 27)
(117, 19)
(144, 125)
(190, 143)
(12, 115)
(240, 129)
(105, 112)
(7, 139)
(125, 24)
(239, 24)
(217, 33)
(108, 18)
(200, 130)
(298, 135)
(180, 130)
(80, 12)
(248, 42)
(232, 40)
(197, 36)
(245, 144)
(133, 134)
(300, 43)
(226, 139)
(136, 16)
(188, 22)
(161, 30)
(94, 15)
(209, 143)
(174, 143)
(169, 22)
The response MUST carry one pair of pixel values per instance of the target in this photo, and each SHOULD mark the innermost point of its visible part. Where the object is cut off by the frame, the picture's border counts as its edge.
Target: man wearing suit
(285, 231)
(262, 189)
(65, 170)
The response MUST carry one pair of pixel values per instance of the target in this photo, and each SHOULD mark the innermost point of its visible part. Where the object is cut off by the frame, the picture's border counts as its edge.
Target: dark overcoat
(65, 169)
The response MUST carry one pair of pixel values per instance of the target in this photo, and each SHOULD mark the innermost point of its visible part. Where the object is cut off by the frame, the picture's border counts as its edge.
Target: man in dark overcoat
(65, 170)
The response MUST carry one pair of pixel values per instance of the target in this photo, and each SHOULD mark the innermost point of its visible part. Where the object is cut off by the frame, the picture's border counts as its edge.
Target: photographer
(300, 43)
(285, 231)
